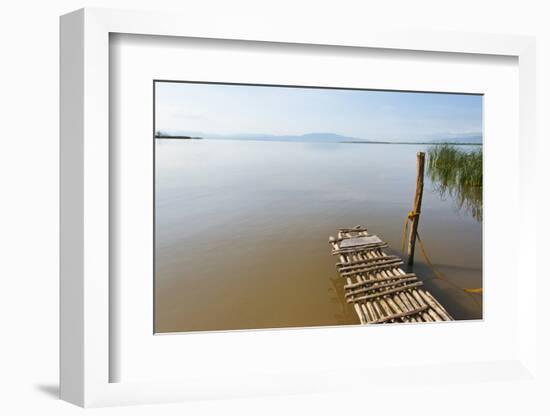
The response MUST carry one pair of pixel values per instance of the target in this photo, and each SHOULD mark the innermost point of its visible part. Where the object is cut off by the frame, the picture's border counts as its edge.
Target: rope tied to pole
(410, 217)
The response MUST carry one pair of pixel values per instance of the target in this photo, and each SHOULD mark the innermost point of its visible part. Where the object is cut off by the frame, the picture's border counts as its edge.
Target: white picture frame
(85, 205)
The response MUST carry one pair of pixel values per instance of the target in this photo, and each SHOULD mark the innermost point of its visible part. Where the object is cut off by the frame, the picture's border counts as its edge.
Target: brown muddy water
(242, 228)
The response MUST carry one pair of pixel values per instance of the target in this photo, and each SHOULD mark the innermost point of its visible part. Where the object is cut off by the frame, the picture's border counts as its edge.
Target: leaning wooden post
(415, 214)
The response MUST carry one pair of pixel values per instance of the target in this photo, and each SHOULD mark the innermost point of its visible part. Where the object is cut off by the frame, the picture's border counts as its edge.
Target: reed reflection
(458, 174)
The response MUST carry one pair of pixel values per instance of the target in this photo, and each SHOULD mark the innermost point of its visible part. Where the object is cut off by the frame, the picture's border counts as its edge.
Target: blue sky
(369, 115)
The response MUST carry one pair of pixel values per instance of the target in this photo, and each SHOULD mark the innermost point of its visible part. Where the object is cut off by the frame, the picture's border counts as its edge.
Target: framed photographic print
(237, 208)
(242, 218)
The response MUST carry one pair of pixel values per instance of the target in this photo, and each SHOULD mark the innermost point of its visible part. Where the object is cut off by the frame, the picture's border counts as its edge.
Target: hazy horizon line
(476, 135)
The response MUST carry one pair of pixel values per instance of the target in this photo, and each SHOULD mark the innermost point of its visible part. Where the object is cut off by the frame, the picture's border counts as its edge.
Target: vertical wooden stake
(416, 205)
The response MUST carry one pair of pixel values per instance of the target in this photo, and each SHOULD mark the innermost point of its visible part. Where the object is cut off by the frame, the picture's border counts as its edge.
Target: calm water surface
(242, 231)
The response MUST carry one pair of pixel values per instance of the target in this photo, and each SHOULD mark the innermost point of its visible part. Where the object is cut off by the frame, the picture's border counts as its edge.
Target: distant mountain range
(311, 137)
(321, 138)
(307, 138)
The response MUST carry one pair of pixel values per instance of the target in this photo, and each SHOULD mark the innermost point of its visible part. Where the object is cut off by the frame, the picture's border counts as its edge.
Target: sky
(362, 114)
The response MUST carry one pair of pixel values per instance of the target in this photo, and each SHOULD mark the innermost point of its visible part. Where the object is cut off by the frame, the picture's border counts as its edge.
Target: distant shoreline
(424, 143)
(179, 137)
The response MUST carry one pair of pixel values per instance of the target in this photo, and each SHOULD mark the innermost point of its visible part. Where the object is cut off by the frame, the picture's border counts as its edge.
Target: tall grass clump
(459, 174)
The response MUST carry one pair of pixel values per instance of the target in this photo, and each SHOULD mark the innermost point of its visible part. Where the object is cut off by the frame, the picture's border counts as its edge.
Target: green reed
(459, 174)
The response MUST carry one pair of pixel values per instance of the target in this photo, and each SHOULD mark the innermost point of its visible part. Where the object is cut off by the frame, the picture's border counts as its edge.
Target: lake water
(242, 231)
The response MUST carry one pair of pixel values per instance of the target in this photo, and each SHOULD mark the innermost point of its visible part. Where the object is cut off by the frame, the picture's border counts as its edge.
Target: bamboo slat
(400, 315)
(351, 264)
(376, 267)
(387, 292)
(356, 249)
(375, 287)
(382, 279)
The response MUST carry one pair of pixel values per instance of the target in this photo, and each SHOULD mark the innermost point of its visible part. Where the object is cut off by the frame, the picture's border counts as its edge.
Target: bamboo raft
(380, 291)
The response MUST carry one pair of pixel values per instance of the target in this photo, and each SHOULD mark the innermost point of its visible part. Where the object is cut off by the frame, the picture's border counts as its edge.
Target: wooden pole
(416, 205)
